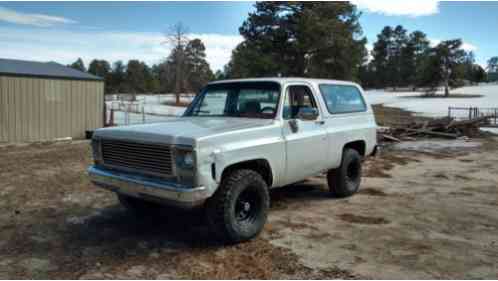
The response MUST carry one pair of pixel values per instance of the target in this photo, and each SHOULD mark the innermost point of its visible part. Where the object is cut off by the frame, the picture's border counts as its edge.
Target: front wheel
(345, 180)
(238, 210)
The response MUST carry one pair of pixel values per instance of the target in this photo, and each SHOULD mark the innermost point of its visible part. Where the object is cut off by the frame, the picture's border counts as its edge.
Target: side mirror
(293, 125)
(307, 113)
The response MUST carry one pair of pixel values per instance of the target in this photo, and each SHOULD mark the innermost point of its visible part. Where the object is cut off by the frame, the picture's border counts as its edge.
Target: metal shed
(44, 101)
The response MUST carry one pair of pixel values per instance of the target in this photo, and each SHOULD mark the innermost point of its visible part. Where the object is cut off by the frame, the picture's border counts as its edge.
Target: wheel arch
(261, 166)
(358, 145)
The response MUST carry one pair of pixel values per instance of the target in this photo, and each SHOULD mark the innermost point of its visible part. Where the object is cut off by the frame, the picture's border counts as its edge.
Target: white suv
(237, 140)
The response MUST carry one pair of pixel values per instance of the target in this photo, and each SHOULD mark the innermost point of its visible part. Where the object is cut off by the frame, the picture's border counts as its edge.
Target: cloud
(66, 46)
(465, 45)
(399, 7)
(469, 47)
(40, 20)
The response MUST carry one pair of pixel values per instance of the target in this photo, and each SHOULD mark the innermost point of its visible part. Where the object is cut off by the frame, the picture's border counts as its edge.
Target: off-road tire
(345, 180)
(225, 208)
(138, 206)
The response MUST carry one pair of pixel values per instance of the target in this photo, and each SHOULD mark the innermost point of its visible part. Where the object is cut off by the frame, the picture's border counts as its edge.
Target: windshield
(240, 99)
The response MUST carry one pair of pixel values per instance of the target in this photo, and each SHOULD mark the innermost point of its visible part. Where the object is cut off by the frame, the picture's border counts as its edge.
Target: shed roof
(12, 67)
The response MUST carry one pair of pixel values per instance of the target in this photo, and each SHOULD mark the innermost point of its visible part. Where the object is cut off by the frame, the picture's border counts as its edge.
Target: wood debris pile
(442, 127)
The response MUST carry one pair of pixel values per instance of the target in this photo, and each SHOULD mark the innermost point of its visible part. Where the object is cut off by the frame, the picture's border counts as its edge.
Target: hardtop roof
(284, 80)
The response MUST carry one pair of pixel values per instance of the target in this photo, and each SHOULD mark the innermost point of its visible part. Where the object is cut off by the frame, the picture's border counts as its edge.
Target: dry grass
(372, 192)
(362, 219)
(51, 212)
(380, 165)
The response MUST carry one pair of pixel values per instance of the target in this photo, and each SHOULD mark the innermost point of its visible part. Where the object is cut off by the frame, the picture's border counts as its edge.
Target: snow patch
(436, 107)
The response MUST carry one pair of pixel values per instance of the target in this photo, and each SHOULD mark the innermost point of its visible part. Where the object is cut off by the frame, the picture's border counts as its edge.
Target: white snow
(438, 106)
(435, 107)
(432, 145)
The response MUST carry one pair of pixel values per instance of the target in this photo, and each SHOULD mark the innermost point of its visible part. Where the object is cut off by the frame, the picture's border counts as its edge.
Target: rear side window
(342, 98)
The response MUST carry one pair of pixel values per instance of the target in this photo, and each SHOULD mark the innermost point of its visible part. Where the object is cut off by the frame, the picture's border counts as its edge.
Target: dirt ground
(421, 213)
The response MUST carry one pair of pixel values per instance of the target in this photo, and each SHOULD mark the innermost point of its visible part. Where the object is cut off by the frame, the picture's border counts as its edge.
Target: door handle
(320, 122)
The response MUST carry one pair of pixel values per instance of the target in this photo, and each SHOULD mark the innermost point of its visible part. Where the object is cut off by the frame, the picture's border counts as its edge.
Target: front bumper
(146, 188)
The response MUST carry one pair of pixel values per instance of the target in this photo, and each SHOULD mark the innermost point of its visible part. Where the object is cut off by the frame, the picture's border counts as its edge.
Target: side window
(297, 97)
(342, 98)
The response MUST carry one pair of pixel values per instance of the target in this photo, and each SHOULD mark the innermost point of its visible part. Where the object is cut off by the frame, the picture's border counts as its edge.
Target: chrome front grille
(153, 159)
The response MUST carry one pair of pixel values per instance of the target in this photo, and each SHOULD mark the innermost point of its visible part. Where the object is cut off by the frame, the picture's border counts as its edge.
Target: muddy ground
(419, 214)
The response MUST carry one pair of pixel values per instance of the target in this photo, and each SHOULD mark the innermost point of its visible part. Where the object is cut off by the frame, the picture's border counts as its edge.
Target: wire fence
(129, 109)
(469, 113)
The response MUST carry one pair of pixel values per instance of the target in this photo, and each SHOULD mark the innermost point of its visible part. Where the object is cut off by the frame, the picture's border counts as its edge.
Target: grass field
(428, 213)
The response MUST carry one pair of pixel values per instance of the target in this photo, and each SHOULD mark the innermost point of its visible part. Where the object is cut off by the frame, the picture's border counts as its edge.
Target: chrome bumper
(148, 189)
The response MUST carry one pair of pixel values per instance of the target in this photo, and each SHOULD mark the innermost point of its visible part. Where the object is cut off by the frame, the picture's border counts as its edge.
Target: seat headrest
(252, 106)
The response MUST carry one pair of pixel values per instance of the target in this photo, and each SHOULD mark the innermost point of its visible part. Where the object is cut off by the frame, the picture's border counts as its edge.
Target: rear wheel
(345, 180)
(238, 210)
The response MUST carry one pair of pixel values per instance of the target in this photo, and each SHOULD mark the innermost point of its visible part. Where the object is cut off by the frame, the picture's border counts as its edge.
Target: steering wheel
(266, 108)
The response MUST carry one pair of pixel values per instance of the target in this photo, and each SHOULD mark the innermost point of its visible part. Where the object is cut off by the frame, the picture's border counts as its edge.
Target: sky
(64, 31)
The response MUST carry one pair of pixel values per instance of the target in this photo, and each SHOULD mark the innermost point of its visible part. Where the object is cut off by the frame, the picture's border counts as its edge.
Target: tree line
(325, 40)
(399, 59)
(185, 69)
(308, 39)
(493, 65)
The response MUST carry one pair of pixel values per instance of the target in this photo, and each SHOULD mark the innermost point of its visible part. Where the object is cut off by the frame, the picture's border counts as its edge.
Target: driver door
(305, 138)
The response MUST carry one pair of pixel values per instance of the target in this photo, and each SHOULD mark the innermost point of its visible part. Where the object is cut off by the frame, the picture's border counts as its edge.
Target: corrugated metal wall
(36, 109)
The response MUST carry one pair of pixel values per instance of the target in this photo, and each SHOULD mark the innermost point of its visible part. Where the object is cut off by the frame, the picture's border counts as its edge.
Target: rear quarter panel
(344, 128)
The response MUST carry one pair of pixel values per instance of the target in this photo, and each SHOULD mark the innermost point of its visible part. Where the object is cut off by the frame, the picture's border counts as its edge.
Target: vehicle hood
(181, 130)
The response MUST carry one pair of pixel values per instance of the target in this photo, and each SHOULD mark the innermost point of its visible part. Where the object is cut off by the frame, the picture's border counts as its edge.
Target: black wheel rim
(248, 206)
(353, 172)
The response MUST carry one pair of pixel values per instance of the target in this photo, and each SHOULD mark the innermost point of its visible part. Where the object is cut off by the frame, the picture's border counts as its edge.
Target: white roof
(283, 80)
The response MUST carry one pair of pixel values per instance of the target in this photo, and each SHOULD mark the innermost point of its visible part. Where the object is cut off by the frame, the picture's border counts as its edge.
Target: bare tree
(177, 38)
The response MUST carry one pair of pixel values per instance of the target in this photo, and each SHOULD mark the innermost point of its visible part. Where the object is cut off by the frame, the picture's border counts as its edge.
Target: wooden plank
(430, 132)
(391, 138)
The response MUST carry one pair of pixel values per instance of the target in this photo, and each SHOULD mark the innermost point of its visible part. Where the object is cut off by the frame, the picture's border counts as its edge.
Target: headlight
(188, 160)
(185, 159)
(185, 165)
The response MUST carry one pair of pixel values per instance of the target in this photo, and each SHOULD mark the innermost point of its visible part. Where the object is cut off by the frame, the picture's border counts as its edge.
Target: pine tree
(381, 56)
(101, 68)
(136, 76)
(118, 78)
(420, 44)
(493, 64)
(450, 56)
(317, 39)
(78, 65)
(444, 65)
(197, 69)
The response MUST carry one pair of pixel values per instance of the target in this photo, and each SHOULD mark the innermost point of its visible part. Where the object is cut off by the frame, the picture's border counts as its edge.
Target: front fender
(270, 150)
